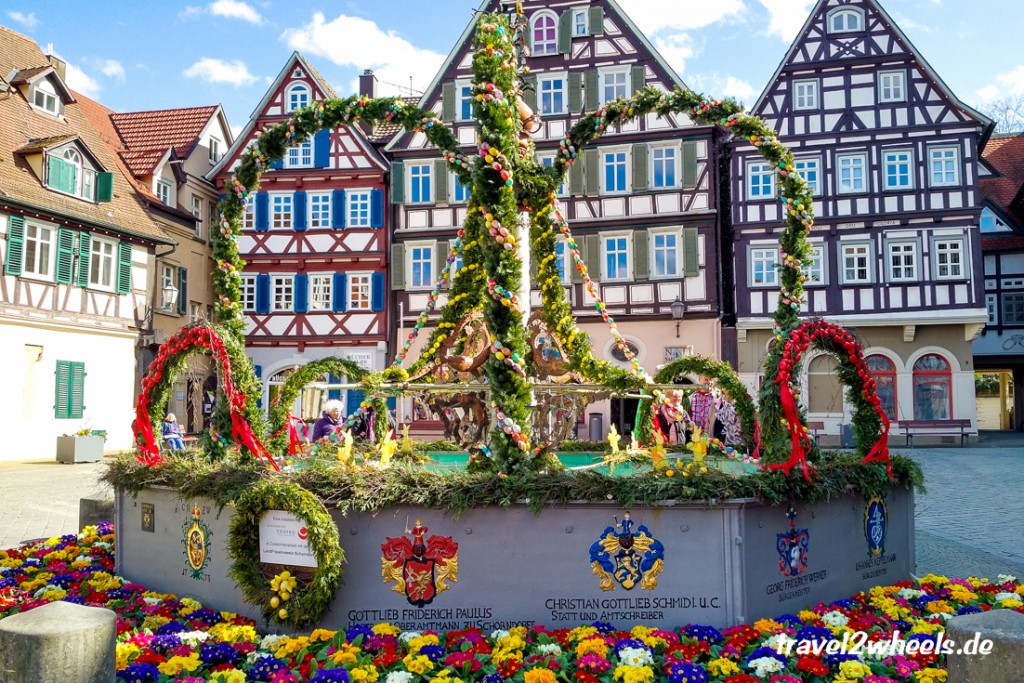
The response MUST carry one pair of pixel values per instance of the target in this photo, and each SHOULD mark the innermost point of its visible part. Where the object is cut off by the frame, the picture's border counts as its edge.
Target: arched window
(74, 160)
(544, 34)
(296, 97)
(883, 371)
(846, 21)
(824, 390)
(933, 388)
(45, 97)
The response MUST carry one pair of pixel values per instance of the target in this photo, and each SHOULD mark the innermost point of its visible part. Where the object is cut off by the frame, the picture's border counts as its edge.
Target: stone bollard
(1005, 628)
(94, 510)
(59, 642)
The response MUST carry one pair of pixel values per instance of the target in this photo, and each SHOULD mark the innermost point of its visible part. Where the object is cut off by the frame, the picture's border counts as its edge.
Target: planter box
(73, 449)
(728, 563)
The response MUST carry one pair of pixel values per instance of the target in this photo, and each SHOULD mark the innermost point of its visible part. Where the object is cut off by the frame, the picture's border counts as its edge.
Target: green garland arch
(308, 601)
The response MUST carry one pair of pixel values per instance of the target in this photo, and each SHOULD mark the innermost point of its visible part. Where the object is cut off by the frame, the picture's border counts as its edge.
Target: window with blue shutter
(262, 211)
(65, 256)
(339, 292)
(299, 212)
(279, 164)
(15, 245)
(263, 293)
(258, 371)
(322, 149)
(376, 208)
(377, 292)
(301, 293)
(338, 208)
(124, 267)
(333, 394)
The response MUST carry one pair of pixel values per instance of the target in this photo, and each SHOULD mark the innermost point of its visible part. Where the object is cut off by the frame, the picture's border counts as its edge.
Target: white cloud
(191, 12)
(359, 43)
(29, 20)
(82, 82)
(651, 16)
(738, 90)
(235, 9)
(676, 48)
(786, 17)
(219, 71)
(112, 68)
(1009, 83)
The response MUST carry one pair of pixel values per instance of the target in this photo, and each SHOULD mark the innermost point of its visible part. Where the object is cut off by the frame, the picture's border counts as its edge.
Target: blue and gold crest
(627, 557)
(196, 538)
(876, 524)
(792, 547)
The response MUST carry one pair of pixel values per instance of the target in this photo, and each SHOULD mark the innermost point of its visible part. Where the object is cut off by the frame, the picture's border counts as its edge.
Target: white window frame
(197, 211)
(214, 150)
(627, 153)
(429, 176)
(293, 88)
(805, 166)
(760, 169)
(410, 249)
(816, 270)
(676, 165)
(547, 47)
(580, 28)
(892, 86)
(604, 73)
(195, 312)
(862, 157)
(248, 294)
(45, 264)
(934, 156)
(567, 263)
(845, 12)
(321, 292)
(357, 202)
(899, 248)
(249, 214)
(769, 256)
(276, 203)
(163, 191)
(360, 291)
(806, 96)
(891, 156)
(563, 91)
(461, 98)
(627, 240)
(549, 160)
(940, 246)
(282, 293)
(97, 260)
(319, 210)
(454, 184)
(849, 250)
(299, 155)
(992, 306)
(653, 249)
(1009, 299)
(51, 102)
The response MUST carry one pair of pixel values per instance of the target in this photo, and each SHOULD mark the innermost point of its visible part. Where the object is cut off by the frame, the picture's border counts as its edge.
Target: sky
(135, 56)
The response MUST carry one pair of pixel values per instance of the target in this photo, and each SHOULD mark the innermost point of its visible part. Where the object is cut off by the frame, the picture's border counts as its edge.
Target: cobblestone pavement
(970, 522)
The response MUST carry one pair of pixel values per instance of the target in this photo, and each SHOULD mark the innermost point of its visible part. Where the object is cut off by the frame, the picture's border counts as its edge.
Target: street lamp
(169, 296)
(678, 311)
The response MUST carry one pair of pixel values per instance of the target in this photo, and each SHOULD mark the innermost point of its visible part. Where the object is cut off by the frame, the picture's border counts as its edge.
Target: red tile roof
(148, 135)
(383, 132)
(100, 118)
(1005, 153)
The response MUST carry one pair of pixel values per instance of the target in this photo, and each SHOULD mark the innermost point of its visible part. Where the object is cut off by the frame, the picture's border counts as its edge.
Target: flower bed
(166, 639)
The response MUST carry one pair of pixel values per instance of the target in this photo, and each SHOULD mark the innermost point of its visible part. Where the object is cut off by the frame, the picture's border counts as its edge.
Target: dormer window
(44, 97)
(846, 21)
(296, 97)
(163, 191)
(67, 172)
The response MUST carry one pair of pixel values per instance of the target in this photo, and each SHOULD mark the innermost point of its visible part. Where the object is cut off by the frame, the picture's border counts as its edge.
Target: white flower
(999, 597)
(498, 635)
(406, 636)
(777, 642)
(193, 638)
(549, 649)
(399, 677)
(635, 656)
(1006, 578)
(101, 544)
(764, 666)
(270, 642)
(152, 601)
(910, 593)
(835, 618)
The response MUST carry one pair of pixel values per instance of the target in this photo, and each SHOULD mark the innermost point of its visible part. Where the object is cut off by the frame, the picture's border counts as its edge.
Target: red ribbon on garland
(880, 451)
(798, 455)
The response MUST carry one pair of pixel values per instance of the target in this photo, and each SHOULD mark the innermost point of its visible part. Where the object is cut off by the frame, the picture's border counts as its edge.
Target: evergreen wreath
(309, 600)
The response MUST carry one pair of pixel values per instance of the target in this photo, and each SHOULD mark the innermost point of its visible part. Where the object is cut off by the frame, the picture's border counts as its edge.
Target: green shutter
(65, 256)
(440, 259)
(60, 175)
(594, 244)
(575, 92)
(595, 22)
(574, 274)
(591, 93)
(565, 32)
(591, 173)
(105, 187)
(397, 266)
(15, 245)
(182, 290)
(691, 254)
(639, 75)
(69, 180)
(124, 267)
(576, 177)
(62, 393)
(640, 181)
(448, 101)
(84, 258)
(530, 92)
(641, 257)
(77, 392)
(689, 164)
(440, 180)
(397, 182)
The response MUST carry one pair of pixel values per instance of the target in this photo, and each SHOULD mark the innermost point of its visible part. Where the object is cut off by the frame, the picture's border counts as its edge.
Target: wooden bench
(935, 428)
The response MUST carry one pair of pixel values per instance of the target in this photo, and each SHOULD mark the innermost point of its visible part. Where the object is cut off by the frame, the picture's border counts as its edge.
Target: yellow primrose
(346, 654)
(808, 616)
(596, 645)
(321, 634)
(416, 644)
(153, 622)
(926, 627)
(539, 676)
(582, 632)
(518, 632)
(384, 629)
(723, 667)
(939, 580)
(125, 652)
(229, 676)
(417, 664)
(232, 633)
(177, 664)
(854, 669)
(929, 675)
(767, 626)
(290, 646)
(633, 674)
(365, 674)
(1011, 603)
(939, 607)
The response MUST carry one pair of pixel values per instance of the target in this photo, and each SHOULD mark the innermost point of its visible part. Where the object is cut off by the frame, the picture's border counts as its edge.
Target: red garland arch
(799, 341)
(186, 338)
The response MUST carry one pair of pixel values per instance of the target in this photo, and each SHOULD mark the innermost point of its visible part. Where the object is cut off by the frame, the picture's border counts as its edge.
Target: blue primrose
(330, 676)
(766, 652)
(684, 672)
(264, 667)
(139, 673)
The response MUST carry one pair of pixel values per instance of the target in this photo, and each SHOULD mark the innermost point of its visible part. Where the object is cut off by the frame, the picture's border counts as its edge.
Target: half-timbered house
(642, 202)
(314, 240)
(892, 157)
(77, 254)
(1000, 348)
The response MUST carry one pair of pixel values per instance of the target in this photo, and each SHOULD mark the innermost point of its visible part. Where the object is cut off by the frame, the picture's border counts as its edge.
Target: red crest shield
(419, 580)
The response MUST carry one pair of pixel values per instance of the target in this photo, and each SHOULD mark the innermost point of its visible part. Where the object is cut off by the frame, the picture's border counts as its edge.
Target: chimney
(368, 84)
(59, 64)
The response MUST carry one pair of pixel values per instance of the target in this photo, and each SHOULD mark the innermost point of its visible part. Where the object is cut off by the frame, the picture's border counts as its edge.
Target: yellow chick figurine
(699, 446)
(345, 450)
(387, 448)
(407, 449)
(613, 439)
(658, 453)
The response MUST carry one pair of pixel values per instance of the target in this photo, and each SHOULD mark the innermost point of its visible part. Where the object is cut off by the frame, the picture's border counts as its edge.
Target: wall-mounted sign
(284, 540)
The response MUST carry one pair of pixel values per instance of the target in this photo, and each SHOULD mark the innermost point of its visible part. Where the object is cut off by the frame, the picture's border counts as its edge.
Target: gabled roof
(148, 135)
(385, 131)
(987, 124)
(32, 74)
(36, 145)
(1005, 191)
